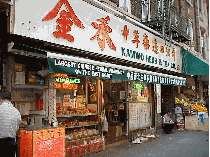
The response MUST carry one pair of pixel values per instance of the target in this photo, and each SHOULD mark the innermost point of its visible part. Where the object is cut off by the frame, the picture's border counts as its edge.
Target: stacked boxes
(114, 131)
(84, 146)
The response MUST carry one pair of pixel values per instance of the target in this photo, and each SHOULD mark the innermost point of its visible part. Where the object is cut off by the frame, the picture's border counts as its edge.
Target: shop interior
(114, 95)
(168, 94)
(29, 88)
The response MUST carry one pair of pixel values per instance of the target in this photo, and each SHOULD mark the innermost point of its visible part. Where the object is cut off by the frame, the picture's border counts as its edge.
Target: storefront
(128, 89)
(79, 89)
(192, 113)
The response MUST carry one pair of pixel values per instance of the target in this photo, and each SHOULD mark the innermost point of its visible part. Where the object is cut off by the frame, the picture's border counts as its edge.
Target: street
(179, 144)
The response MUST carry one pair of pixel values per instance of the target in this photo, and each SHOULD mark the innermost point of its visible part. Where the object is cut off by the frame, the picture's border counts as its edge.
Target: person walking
(10, 119)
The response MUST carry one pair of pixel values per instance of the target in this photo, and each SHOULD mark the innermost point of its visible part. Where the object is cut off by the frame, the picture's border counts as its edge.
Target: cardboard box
(115, 131)
(191, 122)
(194, 123)
(92, 107)
(203, 126)
(109, 137)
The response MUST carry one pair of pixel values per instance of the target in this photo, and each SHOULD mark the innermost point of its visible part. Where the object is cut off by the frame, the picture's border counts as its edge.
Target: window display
(77, 111)
(140, 106)
(71, 95)
(139, 91)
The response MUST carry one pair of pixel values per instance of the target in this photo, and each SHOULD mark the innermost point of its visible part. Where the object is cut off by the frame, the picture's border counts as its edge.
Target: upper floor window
(125, 5)
(145, 10)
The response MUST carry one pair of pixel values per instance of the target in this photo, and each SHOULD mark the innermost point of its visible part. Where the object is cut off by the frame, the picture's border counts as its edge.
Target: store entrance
(168, 99)
(115, 109)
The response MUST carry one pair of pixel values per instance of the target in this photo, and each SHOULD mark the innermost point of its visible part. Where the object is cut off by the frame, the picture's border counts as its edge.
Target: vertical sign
(158, 92)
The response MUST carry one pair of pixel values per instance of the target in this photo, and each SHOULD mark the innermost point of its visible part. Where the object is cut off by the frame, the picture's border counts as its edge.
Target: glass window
(125, 5)
(75, 95)
(139, 91)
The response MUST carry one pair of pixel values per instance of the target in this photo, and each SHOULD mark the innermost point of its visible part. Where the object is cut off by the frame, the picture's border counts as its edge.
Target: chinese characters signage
(80, 25)
(158, 93)
(103, 30)
(65, 21)
(90, 70)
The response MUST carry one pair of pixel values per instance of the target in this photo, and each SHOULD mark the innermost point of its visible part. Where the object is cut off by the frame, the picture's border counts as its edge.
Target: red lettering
(65, 21)
(103, 30)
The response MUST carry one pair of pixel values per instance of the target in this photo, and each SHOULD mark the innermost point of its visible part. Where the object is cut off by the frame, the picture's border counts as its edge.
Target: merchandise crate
(93, 147)
(72, 151)
(180, 127)
(87, 149)
(81, 150)
(67, 152)
(99, 146)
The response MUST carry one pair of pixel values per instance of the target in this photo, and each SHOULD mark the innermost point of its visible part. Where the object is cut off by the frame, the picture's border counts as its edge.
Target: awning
(192, 65)
(77, 66)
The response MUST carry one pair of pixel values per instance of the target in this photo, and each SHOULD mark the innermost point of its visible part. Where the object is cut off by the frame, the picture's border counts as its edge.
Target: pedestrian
(181, 96)
(168, 124)
(207, 104)
(9, 124)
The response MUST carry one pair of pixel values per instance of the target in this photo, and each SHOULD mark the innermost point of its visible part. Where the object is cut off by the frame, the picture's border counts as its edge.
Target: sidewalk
(179, 144)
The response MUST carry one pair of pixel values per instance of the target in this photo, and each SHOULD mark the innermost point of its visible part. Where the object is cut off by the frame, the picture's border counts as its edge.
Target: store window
(75, 95)
(139, 91)
(140, 105)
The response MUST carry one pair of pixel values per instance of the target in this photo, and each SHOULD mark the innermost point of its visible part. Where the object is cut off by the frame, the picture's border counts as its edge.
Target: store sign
(91, 70)
(158, 93)
(65, 82)
(138, 86)
(78, 24)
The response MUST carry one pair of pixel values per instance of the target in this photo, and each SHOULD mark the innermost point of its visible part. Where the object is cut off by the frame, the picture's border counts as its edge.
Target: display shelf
(84, 138)
(80, 126)
(31, 86)
(76, 115)
(24, 101)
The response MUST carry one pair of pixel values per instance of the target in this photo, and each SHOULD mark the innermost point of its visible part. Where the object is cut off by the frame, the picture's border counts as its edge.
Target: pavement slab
(179, 144)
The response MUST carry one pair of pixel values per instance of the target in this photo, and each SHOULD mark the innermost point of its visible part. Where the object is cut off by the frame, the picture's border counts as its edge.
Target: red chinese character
(103, 30)
(162, 49)
(155, 47)
(168, 52)
(146, 42)
(125, 32)
(173, 54)
(65, 21)
(136, 37)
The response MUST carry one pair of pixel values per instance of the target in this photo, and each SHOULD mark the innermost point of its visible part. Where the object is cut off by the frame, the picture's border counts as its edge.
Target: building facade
(153, 42)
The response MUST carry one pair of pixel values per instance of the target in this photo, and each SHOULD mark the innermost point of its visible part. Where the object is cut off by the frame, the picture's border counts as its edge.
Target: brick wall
(189, 11)
(136, 8)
